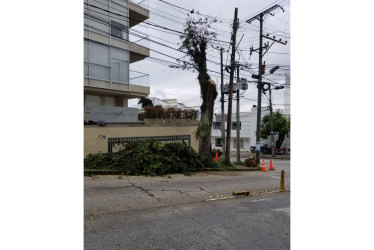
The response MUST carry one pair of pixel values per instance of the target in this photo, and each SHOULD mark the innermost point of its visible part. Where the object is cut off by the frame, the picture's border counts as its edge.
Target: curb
(90, 172)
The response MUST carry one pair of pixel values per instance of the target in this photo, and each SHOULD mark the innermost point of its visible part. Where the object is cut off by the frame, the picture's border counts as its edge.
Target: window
(241, 142)
(218, 142)
(118, 30)
(98, 72)
(96, 61)
(217, 125)
(119, 65)
(120, 70)
(98, 64)
(234, 126)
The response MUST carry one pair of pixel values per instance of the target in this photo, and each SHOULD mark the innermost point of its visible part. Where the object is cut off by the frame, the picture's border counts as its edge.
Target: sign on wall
(114, 114)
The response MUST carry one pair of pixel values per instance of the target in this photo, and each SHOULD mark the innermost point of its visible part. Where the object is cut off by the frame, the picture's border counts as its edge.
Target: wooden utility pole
(237, 117)
(222, 108)
(232, 68)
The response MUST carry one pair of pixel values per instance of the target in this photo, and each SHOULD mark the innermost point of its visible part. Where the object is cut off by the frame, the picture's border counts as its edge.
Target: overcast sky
(170, 83)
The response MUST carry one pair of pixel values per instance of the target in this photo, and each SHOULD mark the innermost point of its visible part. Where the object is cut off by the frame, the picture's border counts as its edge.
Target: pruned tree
(195, 40)
(145, 102)
(281, 126)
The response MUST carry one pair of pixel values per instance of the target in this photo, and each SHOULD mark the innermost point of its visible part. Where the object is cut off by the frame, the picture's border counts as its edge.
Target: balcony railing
(141, 41)
(139, 78)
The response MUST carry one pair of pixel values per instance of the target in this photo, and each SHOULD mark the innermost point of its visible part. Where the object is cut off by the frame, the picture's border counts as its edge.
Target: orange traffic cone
(263, 168)
(271, 165)
(216, 158)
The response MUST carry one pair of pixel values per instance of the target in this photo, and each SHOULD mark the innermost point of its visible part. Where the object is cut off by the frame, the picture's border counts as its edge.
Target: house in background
(247, 126)
(165, 103)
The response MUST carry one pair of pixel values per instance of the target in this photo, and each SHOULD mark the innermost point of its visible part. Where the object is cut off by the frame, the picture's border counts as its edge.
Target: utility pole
(237, 117)
(271, 125)
(259, 88)
(261, 71)
(232, 68)
(222, 107)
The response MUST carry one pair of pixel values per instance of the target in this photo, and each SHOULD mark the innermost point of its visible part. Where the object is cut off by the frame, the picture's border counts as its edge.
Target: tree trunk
(209, 94)
(279, 142)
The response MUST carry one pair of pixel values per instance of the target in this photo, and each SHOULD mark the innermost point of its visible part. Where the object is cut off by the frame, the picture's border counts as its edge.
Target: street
(188, 212)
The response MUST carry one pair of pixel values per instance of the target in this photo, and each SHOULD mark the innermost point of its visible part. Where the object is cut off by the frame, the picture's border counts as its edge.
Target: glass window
(118, 30)
(218, 142)
(99, 72)
(99, 53)
(86, 69)
(120, 70)
(234, 125)
(217, 125)
(86, 51)
(119, 53)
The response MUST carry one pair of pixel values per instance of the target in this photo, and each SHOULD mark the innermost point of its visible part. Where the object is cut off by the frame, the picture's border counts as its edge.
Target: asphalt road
(256, 222)
(188, 212)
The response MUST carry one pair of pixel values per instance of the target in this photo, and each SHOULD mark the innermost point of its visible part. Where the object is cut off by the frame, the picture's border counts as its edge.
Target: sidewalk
(244, 155)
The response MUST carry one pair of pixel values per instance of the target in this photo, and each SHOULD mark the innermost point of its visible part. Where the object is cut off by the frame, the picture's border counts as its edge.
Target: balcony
(139, 78)
(139, 46)
(138, 11)
(137, 86)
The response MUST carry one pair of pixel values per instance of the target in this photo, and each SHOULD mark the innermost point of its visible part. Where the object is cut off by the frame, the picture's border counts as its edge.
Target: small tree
(145, 102)
(281, 126)
(195, 40)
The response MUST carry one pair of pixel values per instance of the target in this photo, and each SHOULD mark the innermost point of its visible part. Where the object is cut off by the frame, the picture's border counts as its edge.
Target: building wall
(96, 137)
(247, 132)
(107, 55)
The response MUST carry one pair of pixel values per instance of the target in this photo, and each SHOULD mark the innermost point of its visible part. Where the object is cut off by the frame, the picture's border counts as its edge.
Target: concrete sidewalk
(110, 193)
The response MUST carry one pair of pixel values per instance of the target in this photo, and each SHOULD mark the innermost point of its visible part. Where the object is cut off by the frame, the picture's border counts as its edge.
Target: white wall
(248, 130)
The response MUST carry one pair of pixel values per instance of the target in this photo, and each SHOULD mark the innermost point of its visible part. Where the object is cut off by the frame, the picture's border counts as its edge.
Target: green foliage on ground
(151, 157)
(226, 165)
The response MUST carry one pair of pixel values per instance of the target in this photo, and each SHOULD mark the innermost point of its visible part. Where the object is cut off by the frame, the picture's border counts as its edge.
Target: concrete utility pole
(222, 107)
(259, 87)
(237, 117)
(261, 70)
(232, 68)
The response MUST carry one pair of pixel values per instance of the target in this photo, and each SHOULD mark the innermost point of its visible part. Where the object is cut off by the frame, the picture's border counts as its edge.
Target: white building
(108, 53)
(165, 103)
(248, 124)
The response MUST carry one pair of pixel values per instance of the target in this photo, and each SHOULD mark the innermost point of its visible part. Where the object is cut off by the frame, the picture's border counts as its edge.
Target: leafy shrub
(154, 112)
(150, 157)
(190, 114)
(141, 116)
